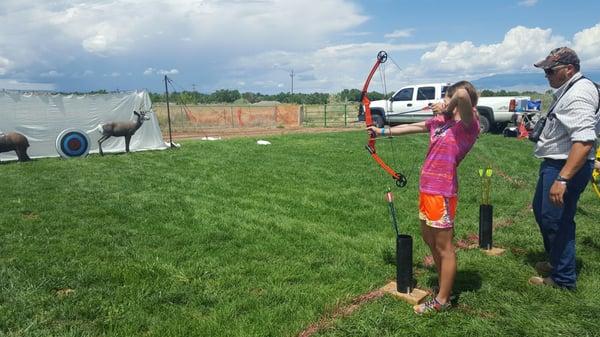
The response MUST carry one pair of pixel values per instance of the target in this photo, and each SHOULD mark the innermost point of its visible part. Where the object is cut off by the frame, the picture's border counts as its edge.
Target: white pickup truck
(410, 104)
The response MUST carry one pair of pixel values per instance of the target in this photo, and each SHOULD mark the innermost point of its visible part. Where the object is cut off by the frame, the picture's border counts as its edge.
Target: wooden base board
(415, 297)
(494, 251)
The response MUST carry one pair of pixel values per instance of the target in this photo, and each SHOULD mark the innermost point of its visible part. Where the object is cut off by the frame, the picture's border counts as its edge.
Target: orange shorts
(436, 210)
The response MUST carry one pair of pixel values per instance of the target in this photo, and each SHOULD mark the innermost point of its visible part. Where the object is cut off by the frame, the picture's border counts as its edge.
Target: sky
(255, 45)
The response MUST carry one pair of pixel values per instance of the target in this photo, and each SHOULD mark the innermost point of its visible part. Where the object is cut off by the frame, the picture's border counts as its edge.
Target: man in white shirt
(567, 147)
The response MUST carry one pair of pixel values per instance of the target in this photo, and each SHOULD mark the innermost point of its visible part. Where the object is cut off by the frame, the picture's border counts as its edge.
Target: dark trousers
(557, 224)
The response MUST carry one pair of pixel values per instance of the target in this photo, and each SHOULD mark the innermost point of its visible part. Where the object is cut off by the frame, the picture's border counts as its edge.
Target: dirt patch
(340, 312)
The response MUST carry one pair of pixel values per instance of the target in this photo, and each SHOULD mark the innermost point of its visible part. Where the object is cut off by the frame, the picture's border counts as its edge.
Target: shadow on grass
(465, 280)
(589, 242)
(389, 256)
(533, 257)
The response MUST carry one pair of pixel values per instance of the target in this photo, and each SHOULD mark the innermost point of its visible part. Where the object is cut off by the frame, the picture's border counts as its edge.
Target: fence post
(345, 115)
(183, 118)
(325, 106)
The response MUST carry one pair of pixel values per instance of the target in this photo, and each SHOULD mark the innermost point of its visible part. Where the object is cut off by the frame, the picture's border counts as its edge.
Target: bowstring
(389, 139)
(394, 62)
(407, 173)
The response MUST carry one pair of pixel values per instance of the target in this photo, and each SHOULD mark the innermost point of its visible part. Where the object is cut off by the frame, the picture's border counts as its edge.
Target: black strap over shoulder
(597, 88)
(564, 92)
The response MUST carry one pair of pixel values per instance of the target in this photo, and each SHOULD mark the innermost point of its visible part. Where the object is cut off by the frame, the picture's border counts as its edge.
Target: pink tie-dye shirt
(449, 143)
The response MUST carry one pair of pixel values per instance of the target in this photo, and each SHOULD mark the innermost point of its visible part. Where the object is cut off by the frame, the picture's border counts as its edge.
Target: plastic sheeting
(41, 117)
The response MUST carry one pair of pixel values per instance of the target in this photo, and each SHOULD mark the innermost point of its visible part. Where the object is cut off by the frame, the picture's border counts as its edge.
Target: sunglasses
(552, 71)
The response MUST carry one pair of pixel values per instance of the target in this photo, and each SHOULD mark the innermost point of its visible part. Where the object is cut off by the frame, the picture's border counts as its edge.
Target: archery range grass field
(230, 238)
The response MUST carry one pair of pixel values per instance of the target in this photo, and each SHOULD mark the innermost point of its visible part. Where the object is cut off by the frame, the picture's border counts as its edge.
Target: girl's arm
(462, 101)
(402, 129)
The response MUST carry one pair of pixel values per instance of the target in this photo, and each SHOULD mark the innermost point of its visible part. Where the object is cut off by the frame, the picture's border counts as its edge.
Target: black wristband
(561, 178)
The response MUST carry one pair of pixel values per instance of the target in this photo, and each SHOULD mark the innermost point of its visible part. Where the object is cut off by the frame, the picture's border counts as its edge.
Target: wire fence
(330, 115)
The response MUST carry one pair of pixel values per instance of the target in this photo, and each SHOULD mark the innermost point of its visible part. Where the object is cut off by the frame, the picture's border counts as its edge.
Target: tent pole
(168, 112)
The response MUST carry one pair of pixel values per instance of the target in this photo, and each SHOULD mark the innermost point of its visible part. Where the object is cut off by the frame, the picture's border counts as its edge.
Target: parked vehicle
(411, 104)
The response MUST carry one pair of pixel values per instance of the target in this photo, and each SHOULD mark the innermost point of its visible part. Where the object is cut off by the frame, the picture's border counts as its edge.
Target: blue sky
(252, 45)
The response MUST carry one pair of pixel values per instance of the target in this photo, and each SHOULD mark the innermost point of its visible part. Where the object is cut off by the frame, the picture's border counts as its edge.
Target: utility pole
(193, 87)
(292, 76)
(168, 112)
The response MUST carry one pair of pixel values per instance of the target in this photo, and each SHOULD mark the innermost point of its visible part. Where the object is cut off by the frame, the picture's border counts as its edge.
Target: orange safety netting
(243, 116)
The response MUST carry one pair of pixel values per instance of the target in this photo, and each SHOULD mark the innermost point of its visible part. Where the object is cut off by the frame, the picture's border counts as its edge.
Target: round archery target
(72, 143)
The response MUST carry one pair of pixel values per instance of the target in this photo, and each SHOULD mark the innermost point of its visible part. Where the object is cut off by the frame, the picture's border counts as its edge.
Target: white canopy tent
(41, 117)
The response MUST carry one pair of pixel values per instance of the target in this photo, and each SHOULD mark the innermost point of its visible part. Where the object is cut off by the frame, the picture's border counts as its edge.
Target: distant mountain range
(521, 82)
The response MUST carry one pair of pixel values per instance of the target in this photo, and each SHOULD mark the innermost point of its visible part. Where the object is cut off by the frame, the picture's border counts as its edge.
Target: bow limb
(366, 105)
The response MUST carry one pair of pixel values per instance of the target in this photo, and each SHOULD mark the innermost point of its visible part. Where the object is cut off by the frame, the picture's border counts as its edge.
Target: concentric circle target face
(72, 143)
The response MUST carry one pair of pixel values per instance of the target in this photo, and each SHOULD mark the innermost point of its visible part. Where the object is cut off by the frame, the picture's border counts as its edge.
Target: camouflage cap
(558, 56)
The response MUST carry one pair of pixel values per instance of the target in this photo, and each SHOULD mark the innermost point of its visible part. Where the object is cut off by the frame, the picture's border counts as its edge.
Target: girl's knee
(446, 251)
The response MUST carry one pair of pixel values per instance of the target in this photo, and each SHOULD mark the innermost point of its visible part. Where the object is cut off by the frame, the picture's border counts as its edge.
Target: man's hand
(557, 192)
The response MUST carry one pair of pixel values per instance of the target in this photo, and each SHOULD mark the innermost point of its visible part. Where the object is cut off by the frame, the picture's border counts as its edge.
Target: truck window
(444, 89)
(404, 95)
(425, 93)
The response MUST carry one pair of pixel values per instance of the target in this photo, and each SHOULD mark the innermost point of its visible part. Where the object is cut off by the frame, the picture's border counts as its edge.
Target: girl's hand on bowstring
(439, 107)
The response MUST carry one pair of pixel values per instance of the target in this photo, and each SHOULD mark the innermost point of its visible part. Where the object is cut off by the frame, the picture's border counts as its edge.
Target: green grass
(231, 238)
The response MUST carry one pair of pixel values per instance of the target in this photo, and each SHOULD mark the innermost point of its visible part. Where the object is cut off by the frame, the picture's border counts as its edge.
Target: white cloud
(331, 68)
(168, 72)
(356, 34)
(113, 34)
(587, 45)
(400, 33)
(95, 44)
(255, 44)
(152, 71)
(52, 73)
(4, 65)
(528, 3)
(519, 49)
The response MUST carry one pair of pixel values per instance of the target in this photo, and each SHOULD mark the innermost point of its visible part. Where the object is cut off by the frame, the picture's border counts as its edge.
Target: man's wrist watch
(562, 179)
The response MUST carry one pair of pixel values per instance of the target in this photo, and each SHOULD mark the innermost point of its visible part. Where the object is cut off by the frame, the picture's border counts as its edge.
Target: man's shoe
(543, 268)
(542, 281)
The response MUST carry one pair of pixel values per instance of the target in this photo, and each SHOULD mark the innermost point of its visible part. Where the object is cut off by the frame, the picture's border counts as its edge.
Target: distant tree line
(490, 93)
(234, 96)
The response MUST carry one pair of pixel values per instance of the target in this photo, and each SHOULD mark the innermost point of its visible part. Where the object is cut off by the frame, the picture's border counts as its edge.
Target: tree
(352, 95)
(224, 96)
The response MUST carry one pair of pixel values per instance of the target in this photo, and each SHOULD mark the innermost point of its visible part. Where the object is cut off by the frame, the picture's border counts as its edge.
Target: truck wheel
(484, 124)
(500, 126)
(378, 121)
